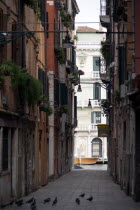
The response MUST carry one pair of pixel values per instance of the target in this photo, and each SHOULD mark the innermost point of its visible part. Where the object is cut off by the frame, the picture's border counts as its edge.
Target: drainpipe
(132, 76)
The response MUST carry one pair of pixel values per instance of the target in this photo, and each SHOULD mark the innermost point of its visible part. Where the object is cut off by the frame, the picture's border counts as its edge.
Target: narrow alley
(97, 183)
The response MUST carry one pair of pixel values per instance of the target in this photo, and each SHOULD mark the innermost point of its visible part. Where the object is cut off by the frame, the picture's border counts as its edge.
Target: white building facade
(87, 143)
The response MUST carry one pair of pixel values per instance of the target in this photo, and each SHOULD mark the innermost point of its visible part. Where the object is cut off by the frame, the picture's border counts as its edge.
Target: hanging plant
(75, 37)
(62, 110)
(119, 14)
(74, 77)
(105, 51)
(117, 98)
(66, 19)
(81, 72)
(105, 105)
(44, 105)
(59, 4)
(31, 3)
(38, 13)
(29, 88)
(60, 54)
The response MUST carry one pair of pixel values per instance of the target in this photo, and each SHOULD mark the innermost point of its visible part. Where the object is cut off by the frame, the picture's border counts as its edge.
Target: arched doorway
(96, 147)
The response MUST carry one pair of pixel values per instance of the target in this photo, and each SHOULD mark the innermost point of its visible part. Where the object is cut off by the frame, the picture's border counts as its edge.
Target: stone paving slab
(97, 183)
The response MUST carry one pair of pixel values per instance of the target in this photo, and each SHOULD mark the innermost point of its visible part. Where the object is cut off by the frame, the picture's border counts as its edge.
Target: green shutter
(96, 63)
(64, 94)
(93, 91)
(99, 92)
(92, 117)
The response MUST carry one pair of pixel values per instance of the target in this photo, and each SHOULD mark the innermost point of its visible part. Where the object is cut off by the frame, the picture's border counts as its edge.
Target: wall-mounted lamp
(89, 103)
(79, 89)
(67, 43)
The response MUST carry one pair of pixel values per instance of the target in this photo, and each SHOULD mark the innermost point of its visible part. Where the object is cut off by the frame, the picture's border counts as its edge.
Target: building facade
(121, 52)
(87, 142)
(37, 116)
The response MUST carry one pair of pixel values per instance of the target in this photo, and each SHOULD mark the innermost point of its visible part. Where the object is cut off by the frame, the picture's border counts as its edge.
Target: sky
(89, 12)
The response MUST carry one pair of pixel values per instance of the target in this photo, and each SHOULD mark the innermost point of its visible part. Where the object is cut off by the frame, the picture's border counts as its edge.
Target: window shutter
(92, 117)
(56, 92)
(99, 92)
(64, 94)
(75, 110)
(93, 91)
(96, 63)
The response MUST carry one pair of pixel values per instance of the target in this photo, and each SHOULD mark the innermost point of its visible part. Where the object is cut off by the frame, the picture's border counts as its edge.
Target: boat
(85, 161)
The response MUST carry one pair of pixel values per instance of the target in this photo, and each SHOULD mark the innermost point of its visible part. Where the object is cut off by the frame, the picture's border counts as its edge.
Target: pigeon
(54, 202)
(33, 202)
(3, 205)
(33, 207)
(47, 200)
(11, 203)
(30, 200)
(19, 202)
(77, 201)
(82, 195)
(90, 198)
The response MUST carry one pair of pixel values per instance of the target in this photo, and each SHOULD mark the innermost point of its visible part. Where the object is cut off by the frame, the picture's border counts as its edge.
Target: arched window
(96, 147)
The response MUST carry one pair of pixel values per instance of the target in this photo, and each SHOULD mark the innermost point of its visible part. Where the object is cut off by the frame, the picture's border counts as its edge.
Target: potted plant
(81, 72)
(29, 88)
(63, 109)
(105, 51)
(60, 54)
(44, 105)
(71, 76)
(75, 37)
(105, 104)
(66, 19)
(59, 4)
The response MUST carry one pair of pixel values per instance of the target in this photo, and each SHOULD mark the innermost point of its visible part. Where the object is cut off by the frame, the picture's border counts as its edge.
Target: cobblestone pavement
(97, 183)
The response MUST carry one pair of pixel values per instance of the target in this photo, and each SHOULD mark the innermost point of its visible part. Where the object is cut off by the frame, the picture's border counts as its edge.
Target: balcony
(105, 77)
(89, 128)
(82, 103)
(104, 14)
(91, 75)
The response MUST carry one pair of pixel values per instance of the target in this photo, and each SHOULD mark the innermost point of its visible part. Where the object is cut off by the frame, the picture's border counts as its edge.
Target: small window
(96, 117)
(5, 149)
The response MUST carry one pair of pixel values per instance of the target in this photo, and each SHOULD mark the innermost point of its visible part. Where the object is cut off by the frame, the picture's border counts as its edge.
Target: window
(5, 149)
(63, 94)
(95, 117)
(96, 147)
(42, 77)
(123, 74)
(96, 91)
(96, 63)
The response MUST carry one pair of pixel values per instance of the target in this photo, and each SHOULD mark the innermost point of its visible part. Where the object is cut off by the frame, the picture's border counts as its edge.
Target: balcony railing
(105, 77)
(82, 103)
(89, 128)
(104, 13)
(91, 75)
(102, 7)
